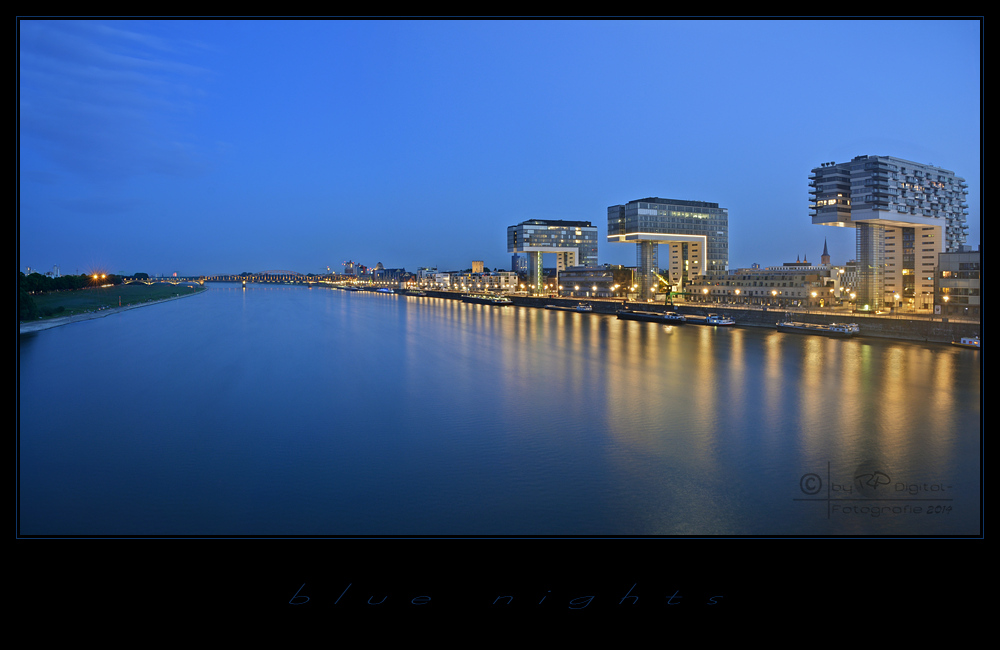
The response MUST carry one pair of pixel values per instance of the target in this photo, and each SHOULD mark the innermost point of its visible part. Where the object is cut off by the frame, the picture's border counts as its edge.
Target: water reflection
(284, 410)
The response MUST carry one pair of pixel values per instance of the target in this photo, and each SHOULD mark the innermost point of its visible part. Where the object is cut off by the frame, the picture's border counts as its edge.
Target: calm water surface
(280, 410)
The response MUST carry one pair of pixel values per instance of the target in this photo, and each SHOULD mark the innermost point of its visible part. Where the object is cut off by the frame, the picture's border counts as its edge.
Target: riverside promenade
(895, 326)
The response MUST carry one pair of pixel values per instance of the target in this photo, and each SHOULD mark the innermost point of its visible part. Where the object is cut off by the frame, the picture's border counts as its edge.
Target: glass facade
(573, 242)
(548, 233)
(871, 265)
(701, 228)
(664, 217)
(646, 264)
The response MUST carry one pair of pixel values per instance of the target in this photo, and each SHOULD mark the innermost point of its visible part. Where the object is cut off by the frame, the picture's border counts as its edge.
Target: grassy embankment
(84, 301)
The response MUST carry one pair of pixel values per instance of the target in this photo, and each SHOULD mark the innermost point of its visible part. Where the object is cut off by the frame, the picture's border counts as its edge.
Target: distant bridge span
(171, 280)
(279, 277)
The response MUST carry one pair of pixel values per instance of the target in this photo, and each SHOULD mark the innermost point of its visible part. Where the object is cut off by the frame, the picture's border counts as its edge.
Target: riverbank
(899, 329)
(49, 323)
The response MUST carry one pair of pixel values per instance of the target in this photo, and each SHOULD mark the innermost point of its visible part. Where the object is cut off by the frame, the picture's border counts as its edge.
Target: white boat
(715, 319)
(969, 342)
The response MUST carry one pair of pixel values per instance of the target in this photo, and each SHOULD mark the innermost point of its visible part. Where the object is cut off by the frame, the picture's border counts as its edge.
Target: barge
(835, 330)
(486, 299)
(580, 307)
(969, 342)
(667, 318)
(711, 319)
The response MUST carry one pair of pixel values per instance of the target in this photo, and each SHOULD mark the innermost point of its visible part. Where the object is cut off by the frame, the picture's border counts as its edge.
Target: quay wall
(900, 328)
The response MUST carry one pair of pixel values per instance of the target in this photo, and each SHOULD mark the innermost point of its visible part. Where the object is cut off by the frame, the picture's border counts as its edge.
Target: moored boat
(486, 299)
(579, 307)
(670, 317)
(969, 342)
(835, 330)
(715, 319)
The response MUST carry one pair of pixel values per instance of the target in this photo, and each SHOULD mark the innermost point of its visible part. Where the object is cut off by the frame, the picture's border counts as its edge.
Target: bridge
(169, 280)
(273, 277)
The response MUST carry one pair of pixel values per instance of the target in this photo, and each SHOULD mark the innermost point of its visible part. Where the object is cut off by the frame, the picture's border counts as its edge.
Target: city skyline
(203, 146)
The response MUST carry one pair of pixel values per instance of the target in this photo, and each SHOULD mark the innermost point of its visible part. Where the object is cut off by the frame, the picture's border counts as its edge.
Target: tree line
(35, 283)
(38, 283)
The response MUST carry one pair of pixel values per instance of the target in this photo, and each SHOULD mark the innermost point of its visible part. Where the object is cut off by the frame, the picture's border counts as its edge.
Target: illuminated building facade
(697, 233)
(905, 214)
(958, 283)
(573, 242)
(789, 285)
(607, 281)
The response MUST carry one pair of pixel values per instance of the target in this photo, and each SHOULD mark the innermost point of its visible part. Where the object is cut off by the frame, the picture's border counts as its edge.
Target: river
(283, 410)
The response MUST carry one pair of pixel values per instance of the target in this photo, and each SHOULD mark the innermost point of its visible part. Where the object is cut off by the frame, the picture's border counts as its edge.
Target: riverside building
(905, 214)
(696, 232)
(958, 283)
(573, 242)
(793, 284)
(607, 281)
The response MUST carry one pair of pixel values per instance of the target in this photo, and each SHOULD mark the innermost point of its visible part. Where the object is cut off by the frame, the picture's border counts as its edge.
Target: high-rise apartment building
(905, 214)
(573, 242)
(697, 233)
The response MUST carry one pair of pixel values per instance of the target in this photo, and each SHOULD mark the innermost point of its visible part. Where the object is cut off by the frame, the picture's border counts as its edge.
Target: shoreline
(49, 323)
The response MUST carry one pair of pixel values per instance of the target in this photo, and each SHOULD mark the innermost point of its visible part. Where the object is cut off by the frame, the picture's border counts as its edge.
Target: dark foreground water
(291, 411)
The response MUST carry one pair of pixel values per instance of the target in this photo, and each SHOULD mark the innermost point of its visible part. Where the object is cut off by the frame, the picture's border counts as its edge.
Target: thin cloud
(104, 102)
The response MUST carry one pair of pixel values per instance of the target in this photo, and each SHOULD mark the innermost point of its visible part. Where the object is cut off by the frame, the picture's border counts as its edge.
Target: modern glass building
(697, 233)
(573, 242)
(905, 214)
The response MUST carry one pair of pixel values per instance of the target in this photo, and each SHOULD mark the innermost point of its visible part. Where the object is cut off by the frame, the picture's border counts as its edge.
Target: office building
(958, 283)
(573, 242)
(905, 214)
(697, 233)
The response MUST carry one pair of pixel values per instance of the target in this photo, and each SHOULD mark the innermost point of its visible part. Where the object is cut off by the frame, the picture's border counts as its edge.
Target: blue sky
(205, 146)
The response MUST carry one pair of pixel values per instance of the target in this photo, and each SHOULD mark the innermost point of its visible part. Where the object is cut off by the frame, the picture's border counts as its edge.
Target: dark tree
(26, 307)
